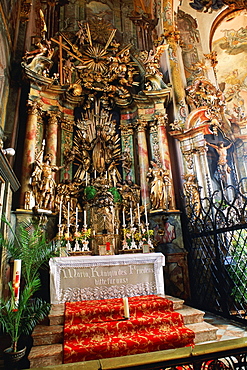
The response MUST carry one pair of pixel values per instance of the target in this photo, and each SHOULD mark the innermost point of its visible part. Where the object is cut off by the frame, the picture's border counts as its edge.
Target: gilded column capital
(34, 107)
(153, 126)
(53, 117)
(189, 158)
(141, 125)
(126, 130)
(202, 150)
(161, 119)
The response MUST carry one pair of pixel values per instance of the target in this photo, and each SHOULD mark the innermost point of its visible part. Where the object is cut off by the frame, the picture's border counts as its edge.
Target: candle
(123, 218)
(126, 307)
(68, 215)
(113, 219)
(85, 218)
(146, 214)
(138, 210)
(60, 213)
(106, 174)
(95, 174)
(131, 217)
(76, 216)
(16, 280)
(86, 178)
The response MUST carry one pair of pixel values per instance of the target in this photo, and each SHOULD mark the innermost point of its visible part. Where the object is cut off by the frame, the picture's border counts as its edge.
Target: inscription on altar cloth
(109, 275)
(103, 277)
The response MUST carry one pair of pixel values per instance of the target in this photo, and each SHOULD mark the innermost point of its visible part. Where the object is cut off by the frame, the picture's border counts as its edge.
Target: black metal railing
(217, 251)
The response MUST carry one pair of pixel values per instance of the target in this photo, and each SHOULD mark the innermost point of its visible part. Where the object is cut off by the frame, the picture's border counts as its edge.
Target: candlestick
(131, 216)
(16, 280)
(123, 218)
(60, 213)
(113, 219)
(146, 214)
(76, 216)
(126, 307)
(138, 210)
(68, 223)
(85, 218)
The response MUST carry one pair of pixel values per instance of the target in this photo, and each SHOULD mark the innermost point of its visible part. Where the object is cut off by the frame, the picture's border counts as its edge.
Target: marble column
(143, 159)
(164, 151)
(29, 148)
(51, 135)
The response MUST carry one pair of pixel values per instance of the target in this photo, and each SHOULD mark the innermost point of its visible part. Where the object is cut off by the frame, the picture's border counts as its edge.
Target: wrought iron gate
(217, 251)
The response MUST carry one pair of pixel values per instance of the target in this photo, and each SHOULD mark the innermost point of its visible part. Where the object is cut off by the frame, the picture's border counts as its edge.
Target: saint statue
(160, 187)
(192, 195)
(43, 183)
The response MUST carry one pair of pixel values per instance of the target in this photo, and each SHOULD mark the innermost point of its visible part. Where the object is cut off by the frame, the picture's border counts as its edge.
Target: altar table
(79, 278)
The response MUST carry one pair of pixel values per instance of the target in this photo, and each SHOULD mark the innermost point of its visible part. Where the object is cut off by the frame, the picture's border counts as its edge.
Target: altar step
(48, 339)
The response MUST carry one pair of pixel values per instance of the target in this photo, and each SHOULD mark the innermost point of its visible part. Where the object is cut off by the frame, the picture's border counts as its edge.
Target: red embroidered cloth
(97, 329)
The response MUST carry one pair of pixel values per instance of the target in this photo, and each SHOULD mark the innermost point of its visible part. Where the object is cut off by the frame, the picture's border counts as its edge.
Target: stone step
(177, 302)
(191, 315)
(204, 332)
(41, 356)
(56, 316)
(44, 335)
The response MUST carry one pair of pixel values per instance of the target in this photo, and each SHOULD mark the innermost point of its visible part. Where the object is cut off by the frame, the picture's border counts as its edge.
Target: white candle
(131, 216)
(86, 178)
(146, 214)
(106, 174)
(95, 174)
(138, 210)
(126, 307)
(123, 218)
(60, 213)
(68, 224)
(76, 216)
(113, 219)
(16, 280)
(85, 218)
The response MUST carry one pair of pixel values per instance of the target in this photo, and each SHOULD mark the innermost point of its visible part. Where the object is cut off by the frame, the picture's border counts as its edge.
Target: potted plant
(18, 318)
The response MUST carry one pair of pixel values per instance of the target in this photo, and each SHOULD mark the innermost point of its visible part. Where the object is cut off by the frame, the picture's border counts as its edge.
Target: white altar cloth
(102, 277)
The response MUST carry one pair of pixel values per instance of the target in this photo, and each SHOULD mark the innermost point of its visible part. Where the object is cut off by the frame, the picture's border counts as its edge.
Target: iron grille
(217, 251)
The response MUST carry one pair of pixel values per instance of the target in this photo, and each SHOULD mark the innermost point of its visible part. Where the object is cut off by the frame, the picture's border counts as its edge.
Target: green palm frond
(29, 244)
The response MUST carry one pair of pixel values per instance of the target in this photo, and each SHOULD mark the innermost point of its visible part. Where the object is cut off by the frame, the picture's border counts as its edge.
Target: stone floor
(226, 329)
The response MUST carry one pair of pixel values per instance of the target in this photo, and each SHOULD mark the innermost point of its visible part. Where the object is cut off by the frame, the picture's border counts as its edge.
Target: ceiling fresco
(230, 43)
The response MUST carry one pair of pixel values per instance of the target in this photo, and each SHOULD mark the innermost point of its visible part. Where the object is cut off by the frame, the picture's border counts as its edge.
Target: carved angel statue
(160, 187)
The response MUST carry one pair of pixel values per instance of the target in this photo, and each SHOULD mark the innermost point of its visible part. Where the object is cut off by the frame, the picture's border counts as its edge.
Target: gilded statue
(160, 187)
(43, 183)
(192, 195)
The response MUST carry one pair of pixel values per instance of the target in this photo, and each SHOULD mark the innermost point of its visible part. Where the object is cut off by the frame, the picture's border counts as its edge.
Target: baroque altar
(96, 154)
